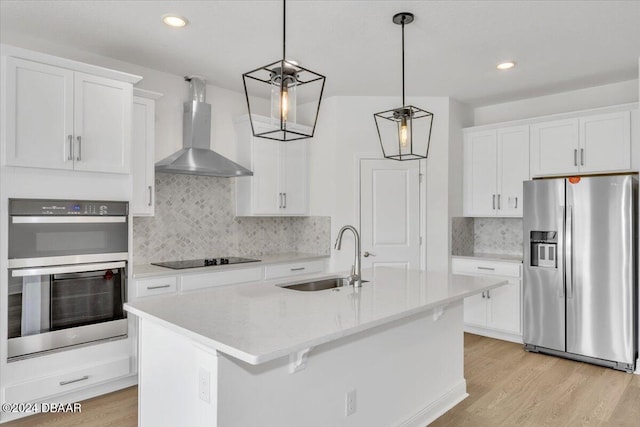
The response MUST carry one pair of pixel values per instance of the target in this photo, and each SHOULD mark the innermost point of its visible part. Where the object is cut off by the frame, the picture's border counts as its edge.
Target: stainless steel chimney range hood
(196, 158)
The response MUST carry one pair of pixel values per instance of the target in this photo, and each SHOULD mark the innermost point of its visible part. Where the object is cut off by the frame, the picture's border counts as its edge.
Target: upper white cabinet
(143, 151)
(496, 162)
(587, 144)
(279, 185)
(63, 118)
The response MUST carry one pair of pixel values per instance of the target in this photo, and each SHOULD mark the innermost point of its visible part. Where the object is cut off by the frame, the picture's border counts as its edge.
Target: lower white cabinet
(155, 286)
(294, 269)
(64, 382)
(192, 282)
(496, 313)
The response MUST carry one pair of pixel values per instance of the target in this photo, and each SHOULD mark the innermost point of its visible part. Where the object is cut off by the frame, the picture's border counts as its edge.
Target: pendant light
(283, 98)
(404, 132)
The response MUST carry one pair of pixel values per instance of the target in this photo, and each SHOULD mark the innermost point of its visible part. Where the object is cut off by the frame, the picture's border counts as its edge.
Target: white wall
(582, 99)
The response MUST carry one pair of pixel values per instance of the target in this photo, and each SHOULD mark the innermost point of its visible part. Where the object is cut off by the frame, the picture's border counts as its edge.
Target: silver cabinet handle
(516, 207)
(486, 268)
(575, 157)
(157, 287)
(280, 196)
(79, 138)
(368, 254)
(488, 294)
(494, 202)
(297, 269)
(498, 201)
(150, 195)
(285, 200)
(70, 156)
(582, 157)
(84, 378)
(483, 295)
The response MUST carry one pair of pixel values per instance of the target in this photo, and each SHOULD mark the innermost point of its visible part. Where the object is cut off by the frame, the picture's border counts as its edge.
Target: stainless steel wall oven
(67, 274)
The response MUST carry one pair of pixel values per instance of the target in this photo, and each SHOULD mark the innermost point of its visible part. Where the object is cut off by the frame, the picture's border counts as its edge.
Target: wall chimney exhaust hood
(196, 158)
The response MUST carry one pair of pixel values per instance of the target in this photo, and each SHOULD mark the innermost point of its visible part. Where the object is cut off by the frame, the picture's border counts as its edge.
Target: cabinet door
(294, 177)
(143, 172)
(503, 310)
(513, 169)
(266, 175)
(475, 312)
(554, 147)
(102, 123)
(39, 120)
(605, 142)
(480, 174)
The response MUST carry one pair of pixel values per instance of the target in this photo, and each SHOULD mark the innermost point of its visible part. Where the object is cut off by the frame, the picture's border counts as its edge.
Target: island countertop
(260, 322)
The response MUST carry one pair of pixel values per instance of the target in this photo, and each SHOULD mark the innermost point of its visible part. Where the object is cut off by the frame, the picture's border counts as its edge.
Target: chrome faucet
(355, 278)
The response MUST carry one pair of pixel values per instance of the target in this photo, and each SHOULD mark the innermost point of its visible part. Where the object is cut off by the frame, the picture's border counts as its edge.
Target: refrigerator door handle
(568, 251)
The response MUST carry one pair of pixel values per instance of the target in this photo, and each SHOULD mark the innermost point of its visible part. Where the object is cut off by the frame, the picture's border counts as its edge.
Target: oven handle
(76, 268)
(66, 219)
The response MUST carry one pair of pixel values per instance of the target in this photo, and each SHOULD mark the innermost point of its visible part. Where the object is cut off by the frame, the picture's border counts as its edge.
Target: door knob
(367, 254)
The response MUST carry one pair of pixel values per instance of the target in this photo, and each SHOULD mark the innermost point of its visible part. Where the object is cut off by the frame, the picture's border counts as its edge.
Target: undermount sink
(319, 284)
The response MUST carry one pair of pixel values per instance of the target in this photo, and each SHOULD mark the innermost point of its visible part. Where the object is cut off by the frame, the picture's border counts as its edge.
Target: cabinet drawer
(479, 267)
(207, 280)
(42, 388)
(287, 270)
(156, 286)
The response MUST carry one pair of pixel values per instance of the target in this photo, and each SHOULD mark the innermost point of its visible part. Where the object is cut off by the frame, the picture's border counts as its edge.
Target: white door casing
(390, 213)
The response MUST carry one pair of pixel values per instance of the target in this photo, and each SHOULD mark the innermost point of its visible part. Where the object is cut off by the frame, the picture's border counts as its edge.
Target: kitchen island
(389, 353)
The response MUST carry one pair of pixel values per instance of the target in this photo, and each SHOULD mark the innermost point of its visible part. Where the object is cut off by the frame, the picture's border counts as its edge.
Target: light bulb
(284, 103)
(403, 133)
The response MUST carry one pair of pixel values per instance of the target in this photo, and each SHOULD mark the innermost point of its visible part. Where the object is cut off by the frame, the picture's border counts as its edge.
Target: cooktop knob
(224, 260)
(211, 261)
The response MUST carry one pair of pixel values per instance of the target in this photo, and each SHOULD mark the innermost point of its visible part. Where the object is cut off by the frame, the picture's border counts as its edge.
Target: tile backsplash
(501, 236)
(195, 218)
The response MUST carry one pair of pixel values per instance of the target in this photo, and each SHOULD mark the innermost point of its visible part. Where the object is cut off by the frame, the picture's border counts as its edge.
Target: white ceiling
(452, 47)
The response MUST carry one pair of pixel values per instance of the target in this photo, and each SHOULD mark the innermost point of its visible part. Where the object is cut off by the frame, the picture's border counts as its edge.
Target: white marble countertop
(493, 257)
(147, 270)
(260, 322)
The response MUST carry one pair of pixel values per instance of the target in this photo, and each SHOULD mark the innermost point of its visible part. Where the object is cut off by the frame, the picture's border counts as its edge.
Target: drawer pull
(486, 268)
(298, 269)
(86, 377)
(158, 287)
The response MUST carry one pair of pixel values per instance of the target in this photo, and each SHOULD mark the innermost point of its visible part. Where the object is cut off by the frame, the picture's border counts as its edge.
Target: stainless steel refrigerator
(580, 289)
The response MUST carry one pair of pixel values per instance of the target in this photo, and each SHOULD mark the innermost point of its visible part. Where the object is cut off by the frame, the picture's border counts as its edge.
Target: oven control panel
(40, 207)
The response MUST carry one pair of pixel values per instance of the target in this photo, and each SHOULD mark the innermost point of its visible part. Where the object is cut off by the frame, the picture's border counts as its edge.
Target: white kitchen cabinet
(155, 286)
(143, 153)
(496, 162)
(279, 185)
(60, 118)
(190, 282)
(496, 313)
(586, 144)
(293, 269)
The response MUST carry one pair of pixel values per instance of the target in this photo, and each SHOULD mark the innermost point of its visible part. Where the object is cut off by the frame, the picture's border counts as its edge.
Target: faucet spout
(356, 275)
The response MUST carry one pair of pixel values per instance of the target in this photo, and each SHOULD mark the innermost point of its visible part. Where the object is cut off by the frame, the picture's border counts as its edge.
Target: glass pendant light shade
(404, 132)
(283, 105)
(283, 98)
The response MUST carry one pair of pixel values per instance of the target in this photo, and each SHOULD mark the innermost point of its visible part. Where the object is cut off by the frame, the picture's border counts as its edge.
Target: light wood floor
(507, 387)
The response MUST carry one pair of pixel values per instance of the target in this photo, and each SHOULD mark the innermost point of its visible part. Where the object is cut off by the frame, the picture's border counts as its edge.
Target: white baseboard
(637, 372)
(435, 409)
(505, 336)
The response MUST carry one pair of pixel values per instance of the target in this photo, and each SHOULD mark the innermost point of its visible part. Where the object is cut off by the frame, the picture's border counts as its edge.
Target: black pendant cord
(284, 30)
(403, 102)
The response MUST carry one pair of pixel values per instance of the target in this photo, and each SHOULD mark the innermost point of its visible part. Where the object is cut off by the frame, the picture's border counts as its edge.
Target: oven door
(60, 306)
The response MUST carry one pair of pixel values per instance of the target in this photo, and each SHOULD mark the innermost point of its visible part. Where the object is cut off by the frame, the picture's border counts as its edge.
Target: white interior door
(390, 213)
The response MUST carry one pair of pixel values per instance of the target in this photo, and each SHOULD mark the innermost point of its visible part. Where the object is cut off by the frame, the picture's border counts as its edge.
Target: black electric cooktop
(206, 262)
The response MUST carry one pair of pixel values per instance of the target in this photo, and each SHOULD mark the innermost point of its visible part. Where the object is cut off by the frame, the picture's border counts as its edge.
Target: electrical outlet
(204, 385)
(350, 403)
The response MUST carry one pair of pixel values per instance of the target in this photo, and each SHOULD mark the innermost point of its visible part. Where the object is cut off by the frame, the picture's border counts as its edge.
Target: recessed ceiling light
(507, 65)
(174, 20)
